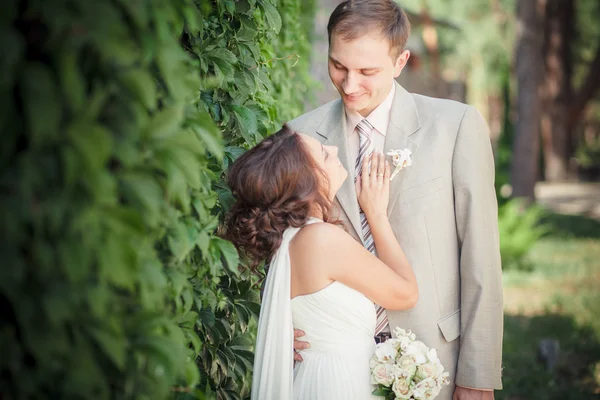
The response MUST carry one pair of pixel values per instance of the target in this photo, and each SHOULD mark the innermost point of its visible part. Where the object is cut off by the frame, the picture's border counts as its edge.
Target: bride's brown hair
(276, 184)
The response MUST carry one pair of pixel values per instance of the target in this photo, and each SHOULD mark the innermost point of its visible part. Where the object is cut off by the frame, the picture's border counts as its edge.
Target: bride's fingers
(387, 172)
(374, 166)
(381, 167)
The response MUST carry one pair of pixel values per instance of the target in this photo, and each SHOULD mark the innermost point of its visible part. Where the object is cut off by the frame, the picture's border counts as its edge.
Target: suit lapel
(401, 134)
(333, 130)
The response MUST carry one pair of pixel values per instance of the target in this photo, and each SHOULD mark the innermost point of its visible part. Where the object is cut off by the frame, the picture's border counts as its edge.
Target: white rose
(424, 390)
(407, 363)
(383, 374)
(401, 388)
(386, 352)
(427, 370)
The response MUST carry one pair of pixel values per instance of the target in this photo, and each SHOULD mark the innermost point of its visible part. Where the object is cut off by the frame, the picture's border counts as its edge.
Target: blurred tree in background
(118, 119)
(476, 43)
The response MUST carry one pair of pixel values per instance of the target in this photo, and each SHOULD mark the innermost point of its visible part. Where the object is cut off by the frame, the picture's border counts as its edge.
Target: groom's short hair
(354, 18)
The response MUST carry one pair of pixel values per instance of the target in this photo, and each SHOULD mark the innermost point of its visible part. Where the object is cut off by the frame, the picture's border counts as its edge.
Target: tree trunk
(524, 171)
(557, 88)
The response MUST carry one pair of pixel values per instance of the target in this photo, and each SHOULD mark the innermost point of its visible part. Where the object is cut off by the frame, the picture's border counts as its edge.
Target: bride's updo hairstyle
(275, 184)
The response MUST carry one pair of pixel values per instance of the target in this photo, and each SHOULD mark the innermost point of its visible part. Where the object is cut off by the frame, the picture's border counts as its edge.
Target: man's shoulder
(310, 121)
(439, 108)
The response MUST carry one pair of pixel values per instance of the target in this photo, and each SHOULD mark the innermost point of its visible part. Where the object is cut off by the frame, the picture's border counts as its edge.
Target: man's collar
(379, 117)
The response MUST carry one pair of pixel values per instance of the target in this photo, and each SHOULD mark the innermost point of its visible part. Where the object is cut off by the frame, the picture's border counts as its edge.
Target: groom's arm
(476, 211)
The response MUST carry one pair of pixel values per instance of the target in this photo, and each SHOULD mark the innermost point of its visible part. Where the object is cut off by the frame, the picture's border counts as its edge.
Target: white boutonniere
(400, 159)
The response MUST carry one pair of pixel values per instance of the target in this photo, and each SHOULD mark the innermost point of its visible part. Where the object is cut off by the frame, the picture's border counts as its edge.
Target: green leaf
(142, 85)
(179, 241)
(272, 15)
(205, 129)
(119, 51)
(143, 191)
(71, 80)
(229, 253)
(195, 341)
(43, 110)
(165, 123)
(206, 317)
(189, 164)
(223, 55)
(12, 47)
(192, 375)
(173, 64)
(246, 34)
(247, 122)
(233, 153)
(118, 262)
(112, 343)
(203, 242)
(92, 141)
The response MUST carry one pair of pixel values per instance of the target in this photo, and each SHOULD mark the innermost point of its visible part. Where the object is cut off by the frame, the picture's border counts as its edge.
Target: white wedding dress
(339, 323)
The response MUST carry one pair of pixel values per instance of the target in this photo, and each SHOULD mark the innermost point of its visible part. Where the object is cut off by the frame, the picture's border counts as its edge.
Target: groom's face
(363, 70)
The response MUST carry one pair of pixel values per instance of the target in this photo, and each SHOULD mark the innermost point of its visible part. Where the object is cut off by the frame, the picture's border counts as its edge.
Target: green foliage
(114, 283)
(588, 154)
(587, 38)
(559, 300)
(520, 228)
(481, 47)
(254, 59)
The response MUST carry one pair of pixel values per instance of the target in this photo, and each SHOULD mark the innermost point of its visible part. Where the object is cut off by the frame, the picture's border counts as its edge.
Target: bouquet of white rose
(405, 369)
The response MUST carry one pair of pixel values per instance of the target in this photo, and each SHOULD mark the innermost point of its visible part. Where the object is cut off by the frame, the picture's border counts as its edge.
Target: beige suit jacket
(443, 210)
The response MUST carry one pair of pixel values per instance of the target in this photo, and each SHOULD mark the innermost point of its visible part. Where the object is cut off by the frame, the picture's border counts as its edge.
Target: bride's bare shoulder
(321, 234)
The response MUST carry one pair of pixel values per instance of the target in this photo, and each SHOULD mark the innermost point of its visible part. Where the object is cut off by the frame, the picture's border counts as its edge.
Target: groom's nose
(350, 84)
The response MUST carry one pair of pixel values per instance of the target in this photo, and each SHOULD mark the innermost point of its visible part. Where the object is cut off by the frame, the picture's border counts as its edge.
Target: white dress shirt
(379, 118)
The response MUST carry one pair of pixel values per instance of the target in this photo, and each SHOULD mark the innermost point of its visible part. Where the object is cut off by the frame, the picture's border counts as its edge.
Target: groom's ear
(400, 62)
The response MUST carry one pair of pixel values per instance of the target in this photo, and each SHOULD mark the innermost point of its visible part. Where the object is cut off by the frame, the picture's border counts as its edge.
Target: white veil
(273, 355)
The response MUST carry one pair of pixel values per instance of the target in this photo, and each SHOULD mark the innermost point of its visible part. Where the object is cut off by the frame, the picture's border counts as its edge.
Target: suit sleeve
(476, 210)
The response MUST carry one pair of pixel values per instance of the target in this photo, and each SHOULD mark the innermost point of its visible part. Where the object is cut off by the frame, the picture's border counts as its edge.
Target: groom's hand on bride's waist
(299, 345)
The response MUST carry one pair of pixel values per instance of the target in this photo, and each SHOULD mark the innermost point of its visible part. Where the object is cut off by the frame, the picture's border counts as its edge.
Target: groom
(442, 207)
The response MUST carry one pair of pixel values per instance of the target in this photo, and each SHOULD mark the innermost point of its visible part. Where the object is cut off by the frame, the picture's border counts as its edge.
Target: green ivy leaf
(71, 80)
(92, 141)
(229, 253)
(272, 15)
(112, 342)
(205, 129)
(142, 85)
(247, 122)
(41, 100)
(165, 123)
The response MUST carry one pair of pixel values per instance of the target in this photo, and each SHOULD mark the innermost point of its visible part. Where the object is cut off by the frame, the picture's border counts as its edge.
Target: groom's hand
(299, 345)
(462, 393)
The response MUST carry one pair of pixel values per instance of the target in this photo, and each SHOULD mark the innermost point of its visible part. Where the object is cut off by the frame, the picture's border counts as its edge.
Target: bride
(320, 279)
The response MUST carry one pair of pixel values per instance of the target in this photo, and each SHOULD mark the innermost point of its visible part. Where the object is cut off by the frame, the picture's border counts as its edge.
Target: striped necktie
(364, 129)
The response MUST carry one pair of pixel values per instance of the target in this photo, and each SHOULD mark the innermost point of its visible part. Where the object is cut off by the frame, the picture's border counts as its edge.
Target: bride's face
(327, 158)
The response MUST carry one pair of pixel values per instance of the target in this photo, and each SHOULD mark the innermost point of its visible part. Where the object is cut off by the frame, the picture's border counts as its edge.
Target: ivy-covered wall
(118, 118)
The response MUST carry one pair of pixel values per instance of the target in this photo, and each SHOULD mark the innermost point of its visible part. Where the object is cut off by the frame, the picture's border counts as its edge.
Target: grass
(558, 299)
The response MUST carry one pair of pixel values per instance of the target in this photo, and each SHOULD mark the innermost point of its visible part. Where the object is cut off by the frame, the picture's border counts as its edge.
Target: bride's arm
(335, 256)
